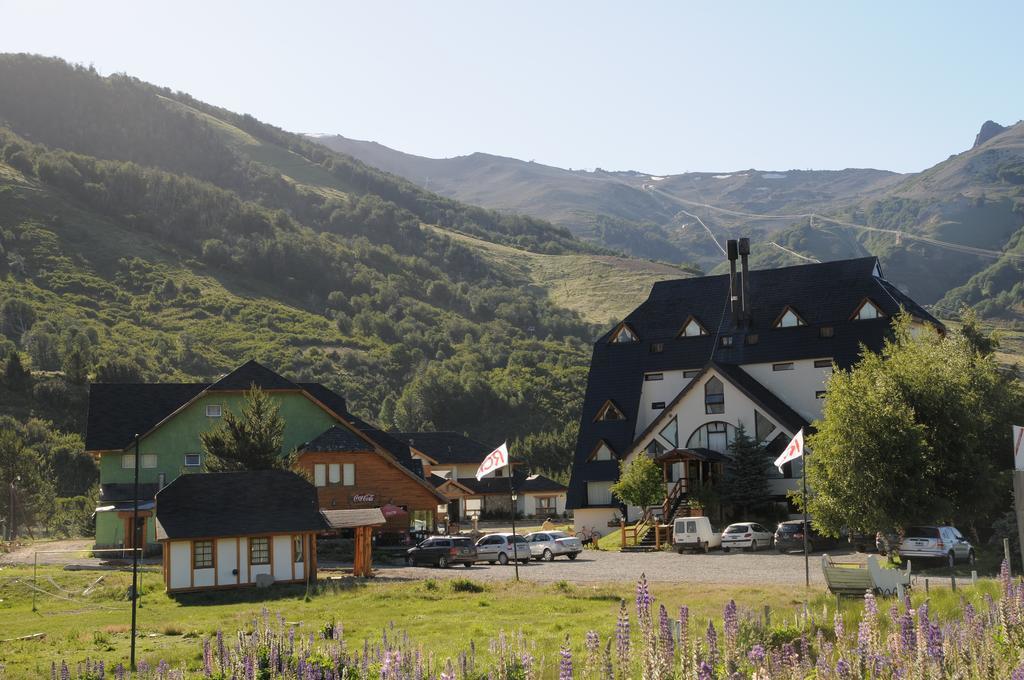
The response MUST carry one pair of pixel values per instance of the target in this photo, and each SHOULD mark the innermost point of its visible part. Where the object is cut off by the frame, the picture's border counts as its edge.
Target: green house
(169, 418)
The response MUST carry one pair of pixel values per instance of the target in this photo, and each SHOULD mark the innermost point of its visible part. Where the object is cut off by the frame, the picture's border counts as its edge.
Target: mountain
(147, 235)
(949, 236)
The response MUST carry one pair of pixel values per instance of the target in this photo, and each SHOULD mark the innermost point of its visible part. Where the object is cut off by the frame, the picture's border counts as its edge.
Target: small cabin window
(789, 319)
(333, 473)
(214, 411)
(691, 374)
(657, 347)
(823, 363)
(259, 550)
(202, 554)
(752, 339)
(193, 460)
(657, 405)
(624, 334)
(599, 493)
(725, 341)
(785, 366)
(127, 461)
(348, 477)
(609, 412)
(319, 474)
(149, 460)
(602, 452)
(826, 332)
(714, 396)
(820, 394)
(298, 549)
(868, 310)
(650, 377)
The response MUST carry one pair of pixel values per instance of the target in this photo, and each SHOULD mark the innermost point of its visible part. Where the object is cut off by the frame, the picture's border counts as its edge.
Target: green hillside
(146, 235)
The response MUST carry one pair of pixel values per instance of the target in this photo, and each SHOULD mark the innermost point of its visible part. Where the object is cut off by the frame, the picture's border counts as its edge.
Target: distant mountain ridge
(971, 201)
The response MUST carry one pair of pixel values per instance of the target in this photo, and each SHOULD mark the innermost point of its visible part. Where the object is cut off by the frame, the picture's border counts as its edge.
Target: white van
(694, 533)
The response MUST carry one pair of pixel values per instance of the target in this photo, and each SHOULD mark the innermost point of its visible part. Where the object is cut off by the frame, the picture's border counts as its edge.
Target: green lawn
(437, 614)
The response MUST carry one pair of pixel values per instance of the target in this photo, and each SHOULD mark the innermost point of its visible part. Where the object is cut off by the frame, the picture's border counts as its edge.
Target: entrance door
(137, 538)
(453, 511)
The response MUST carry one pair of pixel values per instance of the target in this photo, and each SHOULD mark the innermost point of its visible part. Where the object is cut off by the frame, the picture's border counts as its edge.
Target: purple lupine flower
(1018, 673)
(935, 642)
(667, 639)
(643, 599)
(731, 624)
(756, 655)
(53, 670)
(65, 672)
(607, 670)
(565, 665)
(622, 637)
(908, 640)
(119, 672)
(449, 672)
(705, 671)
(843, 669)
(221, 652)
(684, 624)
(838, 625)
(712, 641)
(207, 658)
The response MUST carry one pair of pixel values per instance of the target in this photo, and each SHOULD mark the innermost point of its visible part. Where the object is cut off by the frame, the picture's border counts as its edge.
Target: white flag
(793, 451)
(495, 460)
(1018, 447)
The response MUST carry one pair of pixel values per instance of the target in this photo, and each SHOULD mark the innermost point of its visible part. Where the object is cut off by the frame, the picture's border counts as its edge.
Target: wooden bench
(854, 578)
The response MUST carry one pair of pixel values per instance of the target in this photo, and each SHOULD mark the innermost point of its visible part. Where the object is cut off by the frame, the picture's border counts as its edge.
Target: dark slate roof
(522, 483)
(763, 397)
(237, 504)
(392, 444)
(114, 492)
(825, 294)
(252, 373)
(117, 412)
(447, 448)
(336, 438)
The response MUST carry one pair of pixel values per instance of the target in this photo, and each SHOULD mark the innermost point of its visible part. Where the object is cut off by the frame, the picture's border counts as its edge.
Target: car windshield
(518, 539)
(558, 534)
(923, 532)
(737, 529)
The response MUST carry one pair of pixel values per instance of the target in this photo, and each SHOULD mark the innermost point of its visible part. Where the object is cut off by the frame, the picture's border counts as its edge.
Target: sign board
(364, 497)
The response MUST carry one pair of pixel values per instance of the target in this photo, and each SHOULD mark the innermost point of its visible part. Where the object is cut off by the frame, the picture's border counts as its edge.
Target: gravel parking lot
(593, 566)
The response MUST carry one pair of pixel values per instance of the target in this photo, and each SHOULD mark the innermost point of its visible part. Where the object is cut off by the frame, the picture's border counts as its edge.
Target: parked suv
(441, 551)
(501, 548)
(941, 543)
(789, 537)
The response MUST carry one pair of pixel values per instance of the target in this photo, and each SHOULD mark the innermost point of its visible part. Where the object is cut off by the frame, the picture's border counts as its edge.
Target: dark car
(789, 537)
(442, 551)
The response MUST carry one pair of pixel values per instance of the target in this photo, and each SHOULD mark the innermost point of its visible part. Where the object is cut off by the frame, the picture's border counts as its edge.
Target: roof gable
(119, 411)
(447, 448)
(336, 439)
(252, 373)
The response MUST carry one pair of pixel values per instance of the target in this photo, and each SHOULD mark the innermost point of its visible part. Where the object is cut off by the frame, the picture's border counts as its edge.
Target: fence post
(767, 616)
(926, 586)
(622, 530)
(1006, 554)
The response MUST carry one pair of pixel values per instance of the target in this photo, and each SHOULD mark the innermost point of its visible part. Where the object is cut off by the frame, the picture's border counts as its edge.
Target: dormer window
(789, 319)
(868, 310)
(609, 412)
(692, 328)
(602, 452)
(623, 334)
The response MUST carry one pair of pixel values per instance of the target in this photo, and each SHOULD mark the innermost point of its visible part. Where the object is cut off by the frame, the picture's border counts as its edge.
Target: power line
(793, 252)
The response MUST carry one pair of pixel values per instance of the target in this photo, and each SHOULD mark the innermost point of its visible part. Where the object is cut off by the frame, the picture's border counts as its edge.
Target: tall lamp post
(135, 551)
(11, 525)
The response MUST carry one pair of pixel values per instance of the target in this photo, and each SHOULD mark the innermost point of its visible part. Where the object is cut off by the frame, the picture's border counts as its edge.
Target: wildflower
(756, 655)
(1018, 673)
(843, 669)
(643, 599)
(622, 638)
(732, 623)
(838, 627)
(565, 665)
(667, 642)
(705, 671)
(65, 672)
(712, 641)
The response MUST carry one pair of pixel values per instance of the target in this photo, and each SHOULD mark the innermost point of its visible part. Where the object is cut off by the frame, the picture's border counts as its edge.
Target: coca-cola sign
(364, 498)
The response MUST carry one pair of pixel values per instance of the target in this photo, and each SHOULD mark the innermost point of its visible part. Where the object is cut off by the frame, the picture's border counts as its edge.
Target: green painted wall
(303, 419)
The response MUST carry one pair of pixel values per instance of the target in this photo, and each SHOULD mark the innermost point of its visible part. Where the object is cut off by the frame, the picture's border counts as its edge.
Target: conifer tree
(251, 441)
(16, 377)
(745, 486)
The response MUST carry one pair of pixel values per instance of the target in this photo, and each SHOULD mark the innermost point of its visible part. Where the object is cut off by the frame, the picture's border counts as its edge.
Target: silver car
(547, 545)
(940, 543)
(746, 535)
(501, 548)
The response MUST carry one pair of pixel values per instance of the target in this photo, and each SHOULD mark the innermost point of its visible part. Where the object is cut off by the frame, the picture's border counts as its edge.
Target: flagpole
(807, 528)
(512, 504)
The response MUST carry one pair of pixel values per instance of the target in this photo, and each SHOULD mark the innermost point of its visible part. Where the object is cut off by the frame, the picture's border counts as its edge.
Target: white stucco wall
(282, 558)
(594, 518)
(666, 389)
(227, 559)
(180, 553)
(796, 387)
(527, 503)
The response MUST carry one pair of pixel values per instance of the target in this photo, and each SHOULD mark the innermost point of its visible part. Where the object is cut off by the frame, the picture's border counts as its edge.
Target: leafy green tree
(17, 378)
(250, 441)
(76, 368)
(118, 371)
(640, 482)
(29, 472)
(16, 318)
(42, 346)
(918, 433)
(745, 484)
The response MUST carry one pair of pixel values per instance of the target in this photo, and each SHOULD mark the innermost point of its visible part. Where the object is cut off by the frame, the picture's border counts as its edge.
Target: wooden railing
(674, 495)
(632, 535)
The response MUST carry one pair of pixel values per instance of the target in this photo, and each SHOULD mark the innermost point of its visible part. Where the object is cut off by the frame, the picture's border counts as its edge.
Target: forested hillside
(148, 236)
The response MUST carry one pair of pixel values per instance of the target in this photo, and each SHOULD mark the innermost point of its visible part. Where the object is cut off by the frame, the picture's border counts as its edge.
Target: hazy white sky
(655, 86)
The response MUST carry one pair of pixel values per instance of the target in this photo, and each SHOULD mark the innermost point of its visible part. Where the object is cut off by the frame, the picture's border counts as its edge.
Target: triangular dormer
(789, 318)
(609, 411)
(867, 309)
(252, 373)
(602, 452)
(623, 334)
(692, 328)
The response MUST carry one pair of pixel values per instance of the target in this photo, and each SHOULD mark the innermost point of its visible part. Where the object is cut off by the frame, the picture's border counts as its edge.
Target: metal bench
(854, 578)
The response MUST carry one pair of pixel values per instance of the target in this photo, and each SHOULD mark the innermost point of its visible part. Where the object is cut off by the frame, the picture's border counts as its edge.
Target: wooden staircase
(650, 533)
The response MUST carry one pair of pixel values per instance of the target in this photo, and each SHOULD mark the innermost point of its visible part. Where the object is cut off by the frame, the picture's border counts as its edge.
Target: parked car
(501, 548)
(789, 537)
(861, 541)
(547, 545)
(442, 551)
(694, 533)
(938, 543)
(746, 535)
(887, 541)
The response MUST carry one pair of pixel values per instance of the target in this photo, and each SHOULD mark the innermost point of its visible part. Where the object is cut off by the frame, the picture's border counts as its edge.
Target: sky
(660, 87)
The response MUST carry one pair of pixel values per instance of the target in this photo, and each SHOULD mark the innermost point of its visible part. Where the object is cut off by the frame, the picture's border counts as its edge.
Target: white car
(547, 545)
(940, 543)
(746, 535)
(694, 533)
(502, 548)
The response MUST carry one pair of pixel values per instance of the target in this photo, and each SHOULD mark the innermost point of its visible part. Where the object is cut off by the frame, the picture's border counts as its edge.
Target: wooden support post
(622, 530)
(767, 616)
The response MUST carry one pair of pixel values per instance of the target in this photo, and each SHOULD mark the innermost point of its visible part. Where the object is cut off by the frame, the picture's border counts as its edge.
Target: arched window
(715, 436)
(714, 396)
